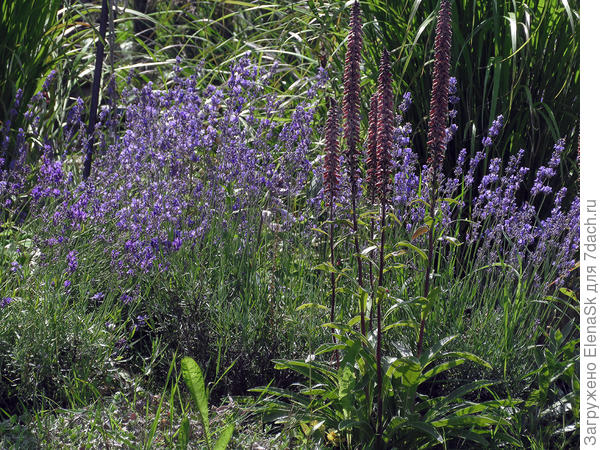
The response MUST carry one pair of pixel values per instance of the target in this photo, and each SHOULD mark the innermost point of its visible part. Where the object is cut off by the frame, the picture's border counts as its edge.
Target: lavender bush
(172, 167)
(183, 158)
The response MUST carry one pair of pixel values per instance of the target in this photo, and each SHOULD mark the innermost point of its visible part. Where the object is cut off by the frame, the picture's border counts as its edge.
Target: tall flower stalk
(372, 171)
(351, 107)
(87, 165)
(436, 137)
(331, 185)
(385, 118)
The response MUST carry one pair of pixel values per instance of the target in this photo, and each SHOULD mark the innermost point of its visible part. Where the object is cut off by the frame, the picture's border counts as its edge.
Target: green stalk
(379, 429)
(331, 246)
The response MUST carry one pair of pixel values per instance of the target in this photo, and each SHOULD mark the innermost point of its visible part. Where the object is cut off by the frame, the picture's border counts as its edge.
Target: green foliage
(550, 416)
(519, 59)
(335, 406)
(194, 380)
(30, 33)
(235, 303)
(56, 349)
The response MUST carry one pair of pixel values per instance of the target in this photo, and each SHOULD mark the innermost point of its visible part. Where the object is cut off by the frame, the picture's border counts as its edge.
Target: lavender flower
(406, 102)
(546, 172)
(186, 155)
(72, 261)
(493, 131)
(4, 302)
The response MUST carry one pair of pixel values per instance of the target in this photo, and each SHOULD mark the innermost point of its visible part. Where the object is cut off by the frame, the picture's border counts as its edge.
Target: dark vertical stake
(87, 165)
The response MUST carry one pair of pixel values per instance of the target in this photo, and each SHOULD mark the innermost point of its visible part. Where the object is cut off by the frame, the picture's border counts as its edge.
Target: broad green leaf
(437, 347)
(348, 424)
(346, 382)
(569, 293)
(329, 347)
(311, 305)
(184, 434)
(408, 369)
(470, 357)
(194, 380)
(481, 421)
(318, 373)
(426, 428)
(225, 437)
(402, 323)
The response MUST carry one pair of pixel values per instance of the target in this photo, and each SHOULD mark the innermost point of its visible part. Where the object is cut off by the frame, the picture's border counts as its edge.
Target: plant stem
(427, 285)
(379, 429)
(357, 250)
(331, 245)
(371, 235)
(87, 166)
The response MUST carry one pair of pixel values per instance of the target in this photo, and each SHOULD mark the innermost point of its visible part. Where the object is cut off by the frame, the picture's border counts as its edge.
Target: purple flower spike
(372, 148)
(385, 126)
(545, 173)
(332, 159)
(438, 115)
(351, 103)
(72, 261)
(493, 131)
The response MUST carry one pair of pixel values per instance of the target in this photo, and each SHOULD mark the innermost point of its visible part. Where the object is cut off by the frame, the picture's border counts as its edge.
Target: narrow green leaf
(419, 232)
(412, 247)
(326, 267)
(368, 250)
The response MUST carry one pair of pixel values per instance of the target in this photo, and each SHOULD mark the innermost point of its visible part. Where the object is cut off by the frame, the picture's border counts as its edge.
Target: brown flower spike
(331, 175)
(436, 138)
(351, 102)
(351, 107)
(385, 118)
(385, 126)
(372, 148)
(438, 114)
